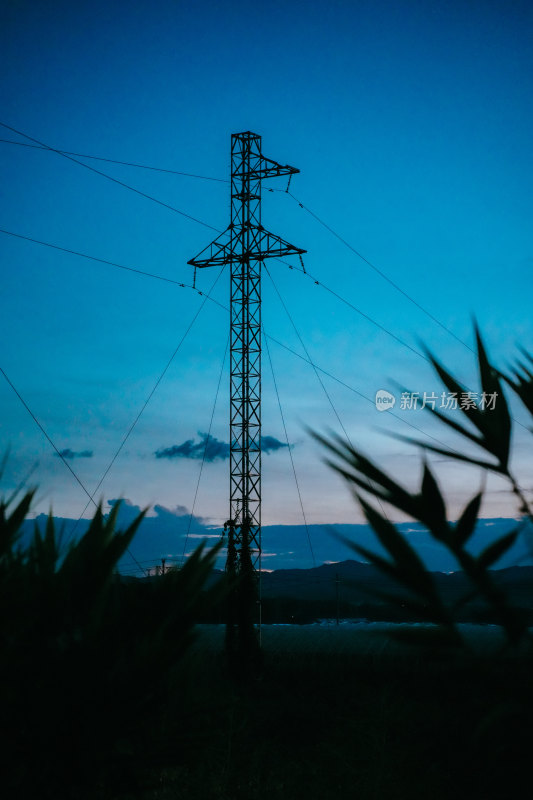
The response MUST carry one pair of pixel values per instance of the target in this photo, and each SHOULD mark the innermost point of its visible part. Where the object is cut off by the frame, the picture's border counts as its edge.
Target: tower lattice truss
(244, 245)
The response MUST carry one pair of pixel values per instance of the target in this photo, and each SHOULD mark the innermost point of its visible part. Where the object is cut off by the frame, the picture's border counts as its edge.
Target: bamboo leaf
(497, 549)
(433, 508)
(392, 540)
(522, 385)
(449, 453)
(495, 424)
(466, 524)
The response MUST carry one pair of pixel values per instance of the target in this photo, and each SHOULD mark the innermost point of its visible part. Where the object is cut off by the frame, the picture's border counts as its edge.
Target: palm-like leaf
(493, 424)
(521, 380)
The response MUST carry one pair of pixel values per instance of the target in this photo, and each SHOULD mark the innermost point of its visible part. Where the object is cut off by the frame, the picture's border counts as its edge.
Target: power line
(221, 305)
(189, 286)
(110, 178)
(320, 379)
(42, 429)
(290, 266)
(114, 161)
(289, 449)
(308, 356)
(194, 288)
(379, 271)
(205, 449)
(108, 263)
(158, 381)
(354, 308)
(353, 389)
(58, 452)
(198, 291)
(372, 320)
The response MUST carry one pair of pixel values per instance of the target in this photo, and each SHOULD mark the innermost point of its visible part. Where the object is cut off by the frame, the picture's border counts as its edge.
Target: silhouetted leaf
(522, 384)
(454, 454)
(430, 610)
(495, 423)
(358, 469)
(392, 540)
(10, 528)
(433, 509)
(466, 524)
(497, 549)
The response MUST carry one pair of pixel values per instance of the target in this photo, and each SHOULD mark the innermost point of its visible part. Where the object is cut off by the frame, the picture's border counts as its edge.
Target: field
(346, 712)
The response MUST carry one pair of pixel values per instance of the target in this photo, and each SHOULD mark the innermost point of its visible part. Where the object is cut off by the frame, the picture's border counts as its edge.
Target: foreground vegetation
(440, 721)
(91, 668)
(329, 726)
(487, 425)
(104, 693)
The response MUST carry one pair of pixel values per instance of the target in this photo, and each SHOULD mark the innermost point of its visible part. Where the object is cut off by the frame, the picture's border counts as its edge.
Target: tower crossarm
(267, 168)
(268, 245)
(216, 253)
(261, 244)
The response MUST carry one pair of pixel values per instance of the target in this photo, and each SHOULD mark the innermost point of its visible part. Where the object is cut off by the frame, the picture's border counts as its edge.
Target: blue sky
(411, 125)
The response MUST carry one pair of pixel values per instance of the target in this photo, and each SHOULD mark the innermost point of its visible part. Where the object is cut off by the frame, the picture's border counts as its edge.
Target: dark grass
(425, 725)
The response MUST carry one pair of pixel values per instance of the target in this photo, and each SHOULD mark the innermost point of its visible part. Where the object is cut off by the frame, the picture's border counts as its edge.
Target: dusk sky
(411, 124)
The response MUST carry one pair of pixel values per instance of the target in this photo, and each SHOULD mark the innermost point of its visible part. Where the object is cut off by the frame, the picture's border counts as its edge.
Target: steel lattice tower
(244, 245)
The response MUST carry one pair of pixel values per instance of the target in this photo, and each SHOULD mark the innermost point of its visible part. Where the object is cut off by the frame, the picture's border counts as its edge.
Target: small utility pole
(337, 583)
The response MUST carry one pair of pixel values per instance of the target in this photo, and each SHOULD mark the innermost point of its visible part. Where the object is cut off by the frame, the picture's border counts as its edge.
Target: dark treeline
(349, 589)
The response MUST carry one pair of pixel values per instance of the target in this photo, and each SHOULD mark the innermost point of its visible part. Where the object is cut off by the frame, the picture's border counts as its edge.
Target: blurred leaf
(495, 424)
(10, 525)
(358, 469)
(466, 524)
(395, 544)
(497, 549)
(466, 598)
(445, 452)
(492, 422)
(373, 558)
(521, 382)
(433, 508)
(431, 610)
(406, 567)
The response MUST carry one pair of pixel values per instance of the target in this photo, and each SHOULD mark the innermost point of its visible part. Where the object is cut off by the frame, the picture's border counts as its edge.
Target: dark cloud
(70, 454)
(177, 517)
(128, 512)
(214, 449)
(269, 444)
(164, 532)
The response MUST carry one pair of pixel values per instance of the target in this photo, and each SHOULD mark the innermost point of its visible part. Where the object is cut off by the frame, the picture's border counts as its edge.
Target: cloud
(161, 515)
(70, 454)
(269, 444)
(210, 445)
(213, 448)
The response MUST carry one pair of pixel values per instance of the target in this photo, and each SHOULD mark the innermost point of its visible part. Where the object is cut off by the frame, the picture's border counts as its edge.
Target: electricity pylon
(244, 245)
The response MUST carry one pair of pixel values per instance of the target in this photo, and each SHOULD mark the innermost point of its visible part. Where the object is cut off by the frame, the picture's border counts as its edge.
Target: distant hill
(164, 535)
(350, 588)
